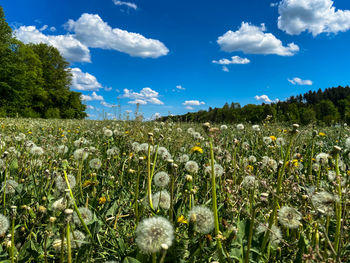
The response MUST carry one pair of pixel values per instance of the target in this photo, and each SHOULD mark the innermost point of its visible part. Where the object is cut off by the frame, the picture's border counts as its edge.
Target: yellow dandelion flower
(102, 200)
(273, 138)
(87, 183)
(197, 149)
(182, 220)
(250, 168)
(348, 172)
(126, 132)
(321, 134)
(131, 155)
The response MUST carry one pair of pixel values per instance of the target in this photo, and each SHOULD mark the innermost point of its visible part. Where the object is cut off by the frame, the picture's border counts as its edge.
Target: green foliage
(34, 80)
(329, 106)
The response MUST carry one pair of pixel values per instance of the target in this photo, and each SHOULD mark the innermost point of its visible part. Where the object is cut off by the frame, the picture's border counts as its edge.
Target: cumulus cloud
(179, 87)
(265, 99)
(225, 68)
(84, 81)
(299, 81)
(43, 28)
(128, 4)
(193, 103)
(94, 32)
(70, 48)
(189, 108)
(93, 96)
(251, 39)
(233, 60)
(314, 16)
(146, 95)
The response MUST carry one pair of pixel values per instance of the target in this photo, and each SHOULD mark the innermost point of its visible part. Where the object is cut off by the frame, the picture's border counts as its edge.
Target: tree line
(329, 106)
(35, 80)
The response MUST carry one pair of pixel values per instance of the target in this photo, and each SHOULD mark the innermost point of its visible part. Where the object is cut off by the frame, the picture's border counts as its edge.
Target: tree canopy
(35, 80)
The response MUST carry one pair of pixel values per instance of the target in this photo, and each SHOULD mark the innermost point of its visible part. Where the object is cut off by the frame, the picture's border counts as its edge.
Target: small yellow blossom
(273, 138)
(321, 134)
(131, 155)
(102, 200)
(250, 168)
(197, 149)
(126, 132)
(182, 220)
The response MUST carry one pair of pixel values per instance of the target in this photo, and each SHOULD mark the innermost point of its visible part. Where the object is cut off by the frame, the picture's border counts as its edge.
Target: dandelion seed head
(10, 187)
(37, 151)
(289, 217)
(161, 179)
(86, 215)
(61, 184)
(80, 154)
(4, 224)
(95, 163)
(249, 182)
(152, 233)
(203, 219)
(240, 126)
(191, 167)
(322, 158)
(108, 133)
(161, 199)
(324, 202)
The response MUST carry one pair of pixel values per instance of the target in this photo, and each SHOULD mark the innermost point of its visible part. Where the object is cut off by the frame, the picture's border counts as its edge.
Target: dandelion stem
(250, 237)
(69, 249)
(338, 206)
(13, 240)
(215, 208)
(149, 179)
(76, 207)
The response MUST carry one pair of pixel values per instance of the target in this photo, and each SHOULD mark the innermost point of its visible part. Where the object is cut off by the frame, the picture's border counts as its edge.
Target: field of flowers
(117, 191)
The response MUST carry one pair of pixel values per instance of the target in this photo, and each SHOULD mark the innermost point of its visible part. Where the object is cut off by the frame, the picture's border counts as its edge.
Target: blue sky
(172, 57)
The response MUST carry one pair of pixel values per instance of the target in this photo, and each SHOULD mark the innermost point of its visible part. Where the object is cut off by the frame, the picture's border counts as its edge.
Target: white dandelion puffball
(95, 163)
(289, 217)
(203, 219)
(61, 184)
(86, 215)
(108, 133)
(80, 154)
(4, 224)
(161, 199)
(191, 167)
(10, 187)
(161, 179)
(153, 233)
(240, 126)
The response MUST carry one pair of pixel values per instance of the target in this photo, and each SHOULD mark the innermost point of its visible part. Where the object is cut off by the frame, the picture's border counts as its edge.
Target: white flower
(256, 128)
(108, 133)
(80, 154)
(240, 126)
(161, 179)
(191, 167)
(161, 199)
(153, 233)
(203, 219)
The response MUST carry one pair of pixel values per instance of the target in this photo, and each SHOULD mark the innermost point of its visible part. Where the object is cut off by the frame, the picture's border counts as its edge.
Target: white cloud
(314, 16)
(43, 28)
(193, 103)
(225, 68)
(93, 96)
(90, 107)
(108, 105)
(179, 87)
(300, 81)
(128, 4)
(108, 88)
(70, 48)
(251, 39)
(233, 60)
(146, 95)
(84, 81)
(52, 29)
(265, 99)
(189, 108)
(94, 32)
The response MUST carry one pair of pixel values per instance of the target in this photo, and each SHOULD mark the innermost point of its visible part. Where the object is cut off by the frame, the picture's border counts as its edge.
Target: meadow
(130, 191)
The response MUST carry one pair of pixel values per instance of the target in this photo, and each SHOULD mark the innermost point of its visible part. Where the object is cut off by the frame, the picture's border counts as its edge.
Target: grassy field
(108, 191)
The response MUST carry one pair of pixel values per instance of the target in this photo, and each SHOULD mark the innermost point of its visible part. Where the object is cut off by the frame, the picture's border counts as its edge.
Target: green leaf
(130, 260)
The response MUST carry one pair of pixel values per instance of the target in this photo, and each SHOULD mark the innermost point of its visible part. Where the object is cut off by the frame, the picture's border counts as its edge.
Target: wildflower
(223, 127)
(80, 154)
(181, 219)
(218, 170)
(196, 135)
(4, 224)
(331, 175)
(86, 215)
(240, 126)
(249, 182)
(62, 149)
(256, 128)
(135, 147)
(184, 158)
(347, 142)
(323, 202)
(61, 184)
(102, 200)
(197, 149)
(203, 219)
(245, 145)
(36, 150)
(289, 217)
(113, 151)
(152, 233)
(59, 204)
(280, 141)
(161, 179)
(322, 134)
(108, 133)
(161, 199)
(77, 237)
(322, 158)
(10, 187)
(191, 167)
(95, 163)
(267, 140)
(273, 138)
(252, 159)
